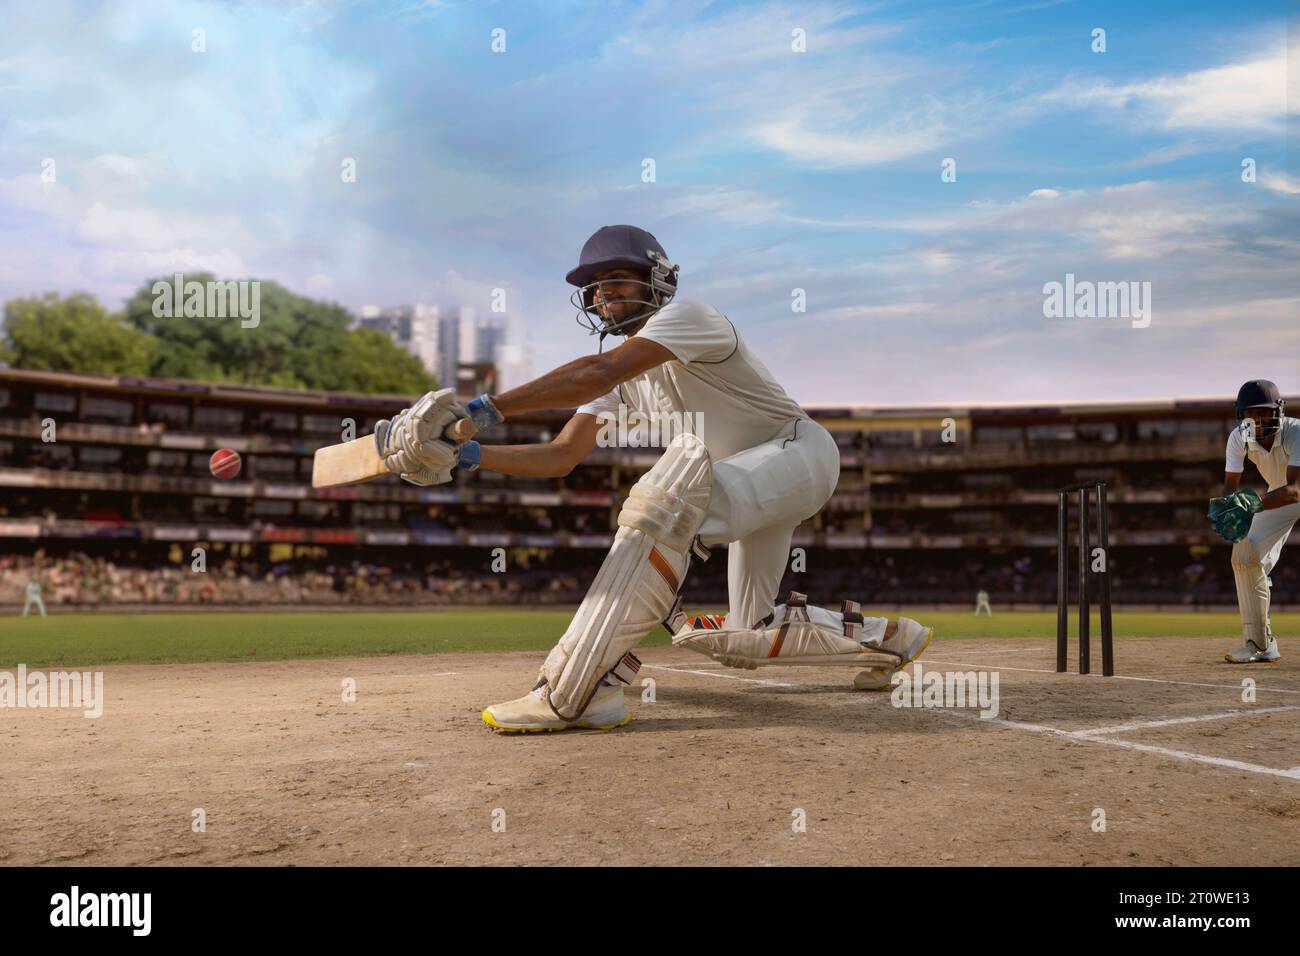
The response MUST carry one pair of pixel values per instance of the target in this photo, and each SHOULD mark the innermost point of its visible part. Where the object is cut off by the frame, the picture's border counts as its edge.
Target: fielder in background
(1258, 525)
(982, 604)
(34, 597)
(744, 467)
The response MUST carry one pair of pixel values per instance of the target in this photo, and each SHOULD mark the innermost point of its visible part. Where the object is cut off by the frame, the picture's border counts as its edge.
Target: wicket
(1063, 579)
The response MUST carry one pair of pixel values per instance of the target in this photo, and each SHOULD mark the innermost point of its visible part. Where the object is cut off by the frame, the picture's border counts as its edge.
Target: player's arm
(1288, 494)
(1231, 482)
(584, 379)
(553, 459)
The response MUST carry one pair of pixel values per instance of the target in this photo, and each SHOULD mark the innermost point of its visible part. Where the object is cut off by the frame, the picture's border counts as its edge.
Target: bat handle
(463, 429)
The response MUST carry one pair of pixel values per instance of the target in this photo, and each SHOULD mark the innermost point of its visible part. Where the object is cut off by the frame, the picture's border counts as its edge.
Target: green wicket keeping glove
(1231, 514)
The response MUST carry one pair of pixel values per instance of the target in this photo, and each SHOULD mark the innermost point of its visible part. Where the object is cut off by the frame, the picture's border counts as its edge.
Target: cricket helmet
(1261, 394)
(621, 247)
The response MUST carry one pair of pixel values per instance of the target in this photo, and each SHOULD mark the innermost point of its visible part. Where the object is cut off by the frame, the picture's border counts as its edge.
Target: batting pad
(637, 584)
(1252, 591)
(798, 634)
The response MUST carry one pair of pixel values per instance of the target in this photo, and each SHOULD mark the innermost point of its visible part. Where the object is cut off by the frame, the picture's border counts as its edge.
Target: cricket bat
(358, 460)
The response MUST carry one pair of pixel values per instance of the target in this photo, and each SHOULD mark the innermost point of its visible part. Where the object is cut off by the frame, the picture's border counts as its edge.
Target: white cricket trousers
(1254, 559)
(760, 496)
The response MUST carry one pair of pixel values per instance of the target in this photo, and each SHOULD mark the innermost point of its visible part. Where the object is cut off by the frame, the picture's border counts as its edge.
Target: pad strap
(796, 607)
(626, 669)
(852, 613)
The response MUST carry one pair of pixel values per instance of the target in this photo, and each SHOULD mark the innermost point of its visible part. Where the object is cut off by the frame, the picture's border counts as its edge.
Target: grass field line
(1154, 680)
(1081, 737)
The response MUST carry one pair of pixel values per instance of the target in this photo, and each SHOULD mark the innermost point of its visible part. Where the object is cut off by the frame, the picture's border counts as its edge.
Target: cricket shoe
(877, 677)
(909, 641)
(1250, 653)
(532, 713)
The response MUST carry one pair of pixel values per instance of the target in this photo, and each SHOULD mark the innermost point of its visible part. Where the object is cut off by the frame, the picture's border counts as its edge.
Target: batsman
(1258, 525)
(746, 466)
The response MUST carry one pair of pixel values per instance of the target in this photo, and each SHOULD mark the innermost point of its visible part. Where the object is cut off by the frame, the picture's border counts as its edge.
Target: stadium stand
(933, 504)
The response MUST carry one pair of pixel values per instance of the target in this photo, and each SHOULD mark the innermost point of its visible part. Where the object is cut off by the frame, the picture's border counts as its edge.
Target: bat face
(347, 464)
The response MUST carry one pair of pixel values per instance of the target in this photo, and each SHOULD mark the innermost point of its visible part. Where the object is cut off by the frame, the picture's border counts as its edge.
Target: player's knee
(1245, 554)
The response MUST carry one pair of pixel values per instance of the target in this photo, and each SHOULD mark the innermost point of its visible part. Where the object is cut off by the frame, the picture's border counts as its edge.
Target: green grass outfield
(84, 639)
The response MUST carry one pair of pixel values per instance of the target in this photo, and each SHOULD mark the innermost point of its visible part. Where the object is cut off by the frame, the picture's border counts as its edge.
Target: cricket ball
(225, 463)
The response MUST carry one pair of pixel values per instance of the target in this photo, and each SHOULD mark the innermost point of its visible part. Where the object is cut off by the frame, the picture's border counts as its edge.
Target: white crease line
(1005, 651)
(1171, 721)
(1078, 737)
(709, 673)
(1153, 680)
(1293, 774)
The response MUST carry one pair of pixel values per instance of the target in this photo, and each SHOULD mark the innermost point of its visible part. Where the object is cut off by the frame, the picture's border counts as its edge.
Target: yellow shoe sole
(888, 684)
(582, 724)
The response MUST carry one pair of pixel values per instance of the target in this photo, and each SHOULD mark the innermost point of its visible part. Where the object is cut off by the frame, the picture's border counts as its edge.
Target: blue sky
(775, 170)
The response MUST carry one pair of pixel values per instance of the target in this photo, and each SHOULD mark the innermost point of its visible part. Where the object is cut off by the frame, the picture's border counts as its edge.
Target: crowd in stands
(918, 577)
(80, 580)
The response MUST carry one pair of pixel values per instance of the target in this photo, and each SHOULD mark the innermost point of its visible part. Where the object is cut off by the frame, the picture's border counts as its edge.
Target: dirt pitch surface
(720, 768)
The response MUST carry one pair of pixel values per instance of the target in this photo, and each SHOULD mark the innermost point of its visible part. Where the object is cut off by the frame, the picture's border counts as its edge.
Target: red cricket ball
(225, 463)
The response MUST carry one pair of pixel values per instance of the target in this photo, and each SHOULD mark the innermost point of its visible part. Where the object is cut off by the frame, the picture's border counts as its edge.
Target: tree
(297, 343)
(73, 334)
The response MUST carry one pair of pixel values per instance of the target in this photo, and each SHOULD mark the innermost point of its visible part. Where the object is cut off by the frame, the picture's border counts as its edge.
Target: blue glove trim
(483, 413)
(471, 454)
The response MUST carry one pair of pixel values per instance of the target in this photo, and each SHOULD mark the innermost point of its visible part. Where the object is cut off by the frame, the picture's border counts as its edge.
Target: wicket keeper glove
(1231, 514)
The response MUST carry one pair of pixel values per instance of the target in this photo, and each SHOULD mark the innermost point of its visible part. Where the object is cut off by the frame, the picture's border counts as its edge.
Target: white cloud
(793, 137)
(1248, 96)
(29, 193)
(723, 205)
(1044, 194)
(119, 165)
(112, 265)
(139, 227)
(1165, 154)
(319, 283)
(1279, 183)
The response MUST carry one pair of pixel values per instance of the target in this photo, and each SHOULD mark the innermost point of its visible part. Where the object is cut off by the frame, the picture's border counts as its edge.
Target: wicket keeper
(1258, 525)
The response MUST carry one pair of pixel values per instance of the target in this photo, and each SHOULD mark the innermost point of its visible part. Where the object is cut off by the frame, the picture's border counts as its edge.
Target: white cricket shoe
(532, 714)
(1250, 653)
(909, 641)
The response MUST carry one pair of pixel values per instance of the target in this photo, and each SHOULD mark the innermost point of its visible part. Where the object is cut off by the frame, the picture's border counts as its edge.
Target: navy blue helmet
(621, 247)
(1261, 394)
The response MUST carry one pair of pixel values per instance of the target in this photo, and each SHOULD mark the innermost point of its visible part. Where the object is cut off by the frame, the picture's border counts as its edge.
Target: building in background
(416, 328)
(497, 340)
(446, 337)
(448, 344)
(476, 378)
